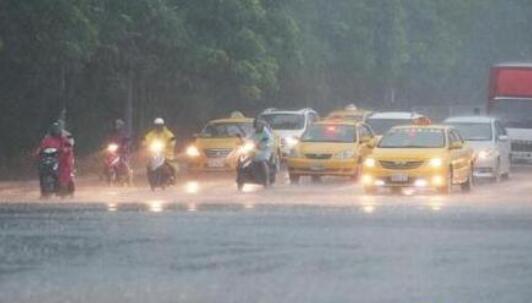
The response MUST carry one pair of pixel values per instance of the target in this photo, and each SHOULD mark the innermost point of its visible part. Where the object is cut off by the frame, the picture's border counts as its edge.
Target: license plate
(216, 163)
(316, 166)
(399, 178)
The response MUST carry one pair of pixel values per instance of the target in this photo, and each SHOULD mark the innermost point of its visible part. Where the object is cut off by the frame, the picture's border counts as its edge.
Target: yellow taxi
(419, 156)
(215, 146)
(349, 113)
(330, 148)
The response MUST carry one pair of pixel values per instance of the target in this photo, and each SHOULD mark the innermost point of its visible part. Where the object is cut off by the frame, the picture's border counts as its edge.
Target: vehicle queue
(407, 151)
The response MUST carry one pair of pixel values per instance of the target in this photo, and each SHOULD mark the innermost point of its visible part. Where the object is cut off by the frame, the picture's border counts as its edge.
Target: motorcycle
(49, 172)
(159, 174)
(115, 170)
(249, 171)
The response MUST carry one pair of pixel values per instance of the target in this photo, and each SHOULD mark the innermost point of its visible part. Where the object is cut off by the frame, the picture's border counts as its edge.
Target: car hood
(215, 143)
(324, 147)
(480, 145)
(407, 153)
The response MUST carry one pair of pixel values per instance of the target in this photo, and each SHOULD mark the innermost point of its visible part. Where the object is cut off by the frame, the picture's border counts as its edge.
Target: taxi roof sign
(351, 107)
(422, 121)
(237, 115)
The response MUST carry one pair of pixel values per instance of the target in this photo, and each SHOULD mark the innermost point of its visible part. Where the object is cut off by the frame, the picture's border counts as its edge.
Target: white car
(491, 144)
(381, 122)
(289, 125)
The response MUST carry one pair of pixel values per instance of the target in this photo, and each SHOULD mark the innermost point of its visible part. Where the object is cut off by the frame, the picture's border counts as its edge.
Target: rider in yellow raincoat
(160, 133)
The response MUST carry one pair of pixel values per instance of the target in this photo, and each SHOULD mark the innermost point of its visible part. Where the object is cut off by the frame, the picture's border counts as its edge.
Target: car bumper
(485, 168)
(210, 165)
(322, 167)
(418, 178)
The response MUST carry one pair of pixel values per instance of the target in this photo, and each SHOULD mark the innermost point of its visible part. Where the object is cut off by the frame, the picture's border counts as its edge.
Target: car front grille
(217, 152)
(318, 156)
(522, 146)
(401, 164)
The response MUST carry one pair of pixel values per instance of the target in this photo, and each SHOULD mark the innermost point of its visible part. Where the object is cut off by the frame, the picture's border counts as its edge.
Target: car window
(413, 138)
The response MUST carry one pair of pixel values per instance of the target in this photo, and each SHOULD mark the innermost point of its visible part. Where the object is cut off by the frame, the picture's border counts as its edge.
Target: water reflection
(155, 206)
(111, 207)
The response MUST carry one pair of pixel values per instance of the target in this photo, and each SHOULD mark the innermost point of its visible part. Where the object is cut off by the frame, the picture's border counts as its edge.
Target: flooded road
(205, 242)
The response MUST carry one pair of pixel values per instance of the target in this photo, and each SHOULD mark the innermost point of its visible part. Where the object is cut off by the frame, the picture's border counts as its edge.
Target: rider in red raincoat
(56, 139)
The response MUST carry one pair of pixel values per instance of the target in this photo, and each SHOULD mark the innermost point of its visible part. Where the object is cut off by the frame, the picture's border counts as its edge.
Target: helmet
(56, 129)
(158, 121)
(119, 123)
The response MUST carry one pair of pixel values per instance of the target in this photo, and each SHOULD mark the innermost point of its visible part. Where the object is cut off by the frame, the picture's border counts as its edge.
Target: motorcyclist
(57, 139)
(264, 141)
(161, 133)
(119, 136)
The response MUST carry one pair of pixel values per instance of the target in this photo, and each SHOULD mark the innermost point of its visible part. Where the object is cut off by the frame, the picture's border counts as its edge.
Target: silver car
(491, 144)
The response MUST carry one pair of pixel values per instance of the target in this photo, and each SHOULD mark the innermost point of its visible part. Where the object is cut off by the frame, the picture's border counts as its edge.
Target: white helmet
(158, 121)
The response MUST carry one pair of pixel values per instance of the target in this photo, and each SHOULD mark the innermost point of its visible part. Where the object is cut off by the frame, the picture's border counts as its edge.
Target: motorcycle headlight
(344, 155)
(112, 148)
(436, 162)
(370, 162)
(247, 147)
(486, 154)
(156, 146)
(192, 151)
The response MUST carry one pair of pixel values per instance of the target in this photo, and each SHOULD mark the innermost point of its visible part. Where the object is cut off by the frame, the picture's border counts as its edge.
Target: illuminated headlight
(486, 154)
(247, 147)
(367, 179)
(436, 162)
(157, 146)
(192, 151)
(438, 181)
(370, 162)
(420, 183)
(112, 148)
(346, 154)
(291, 142)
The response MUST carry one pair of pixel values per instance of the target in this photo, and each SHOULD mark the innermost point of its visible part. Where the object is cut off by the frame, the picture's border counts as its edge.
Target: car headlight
(291, 142)
(370, 162)
(157, 146)
(192, 151)
(344, 155)
(486, 154)
(436, 162)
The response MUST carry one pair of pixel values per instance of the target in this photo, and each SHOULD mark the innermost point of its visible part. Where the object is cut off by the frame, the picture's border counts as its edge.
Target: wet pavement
(206, 242)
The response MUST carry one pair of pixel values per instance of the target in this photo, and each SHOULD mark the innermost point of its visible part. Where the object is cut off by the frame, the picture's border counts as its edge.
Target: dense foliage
(189, 60)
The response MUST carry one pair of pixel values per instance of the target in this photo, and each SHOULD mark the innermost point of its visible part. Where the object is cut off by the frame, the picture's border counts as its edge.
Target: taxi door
(460, 157)
(365, 136)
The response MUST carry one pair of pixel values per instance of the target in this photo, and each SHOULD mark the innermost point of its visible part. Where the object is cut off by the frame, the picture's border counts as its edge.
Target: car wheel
(294, 179)
(447, 188)
(468, 185)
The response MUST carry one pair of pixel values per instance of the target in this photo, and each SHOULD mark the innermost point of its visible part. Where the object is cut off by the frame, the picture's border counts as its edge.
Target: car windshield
(225, 130)
(285, 121)
(413, 138)
(330, 133)
(474, 131)
(381, 126)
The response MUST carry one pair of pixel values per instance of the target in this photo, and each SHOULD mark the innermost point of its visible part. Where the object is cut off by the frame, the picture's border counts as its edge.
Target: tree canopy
(192, 60)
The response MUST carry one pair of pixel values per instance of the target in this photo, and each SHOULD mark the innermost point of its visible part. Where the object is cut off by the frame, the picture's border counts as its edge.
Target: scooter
(249, 171)
(115, 170)
(159, 174)
(49, 172)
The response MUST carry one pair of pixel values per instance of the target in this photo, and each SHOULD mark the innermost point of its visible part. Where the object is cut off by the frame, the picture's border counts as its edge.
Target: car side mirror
(503, 138)
(372, 142)
(456, 145)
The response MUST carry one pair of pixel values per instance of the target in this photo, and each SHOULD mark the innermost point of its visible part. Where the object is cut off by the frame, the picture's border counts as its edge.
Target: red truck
(510, 100)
